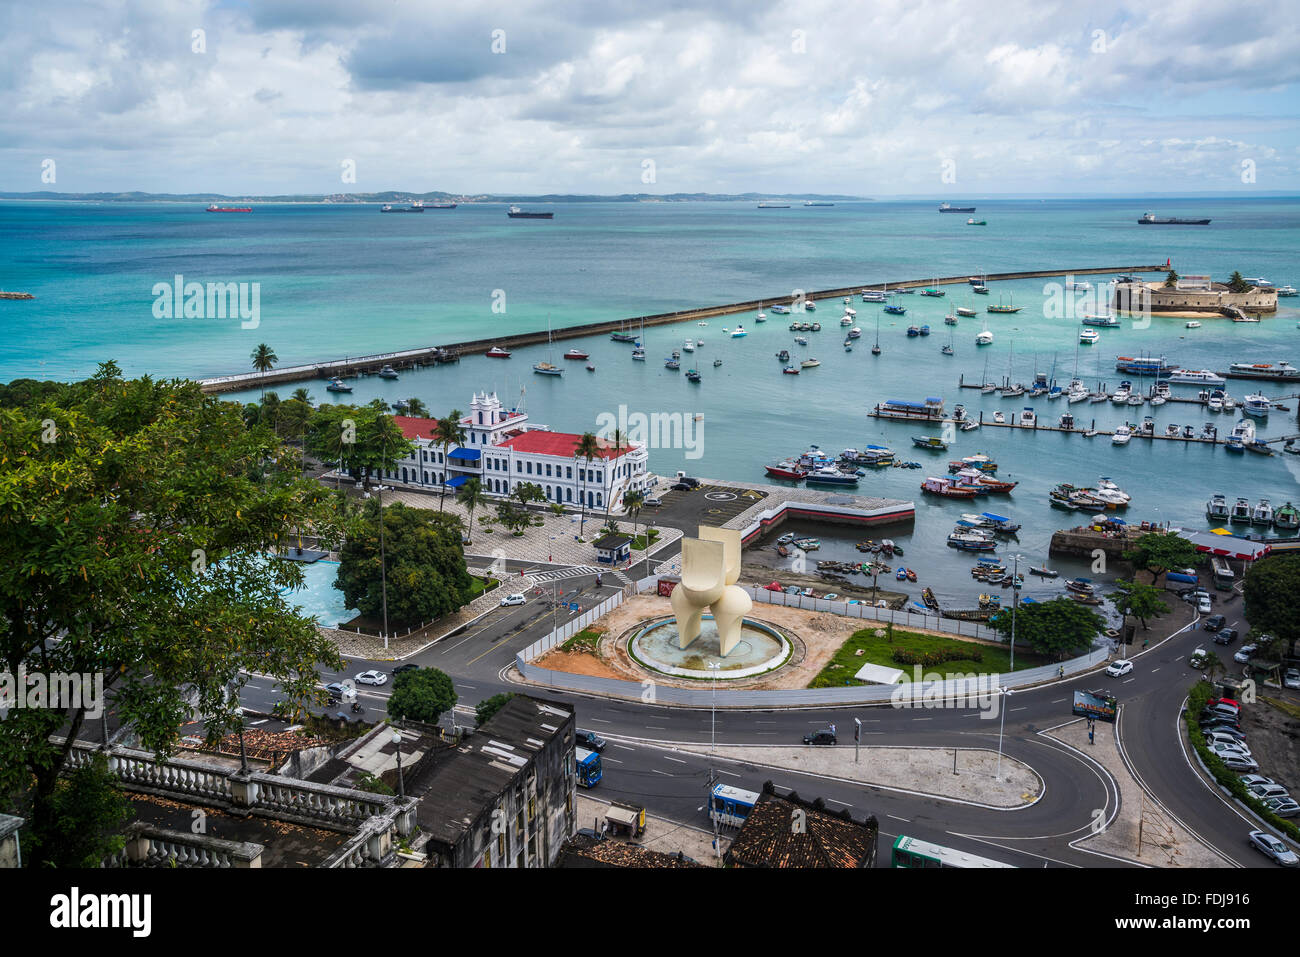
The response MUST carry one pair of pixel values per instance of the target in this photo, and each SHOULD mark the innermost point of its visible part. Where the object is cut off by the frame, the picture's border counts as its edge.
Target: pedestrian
(1090, 736)
(832, 729)
(1145, 642)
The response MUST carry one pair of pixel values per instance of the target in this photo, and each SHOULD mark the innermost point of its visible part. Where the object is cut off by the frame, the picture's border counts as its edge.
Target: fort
(1193, 295)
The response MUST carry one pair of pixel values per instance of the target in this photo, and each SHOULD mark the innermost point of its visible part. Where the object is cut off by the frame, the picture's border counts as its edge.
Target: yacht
(1066, 422)
(688, 345)
(1240, 511)
(1028, 418)
(1136, 399)
(1078, 392)
(1089, 336)
(1216, 509)
(984, 338)
(1263, 514)
(1243, 433)
(1256, 405)
(1193, 324)
(738, 332)
(1120, 395)
(1197, 377)
(1121, 436)
(1215, 402)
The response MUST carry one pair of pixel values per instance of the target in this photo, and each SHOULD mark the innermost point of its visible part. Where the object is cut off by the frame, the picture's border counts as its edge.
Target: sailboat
(638, 353)
(875, 350)
(947, 350)
(548, 367)
(984, 338)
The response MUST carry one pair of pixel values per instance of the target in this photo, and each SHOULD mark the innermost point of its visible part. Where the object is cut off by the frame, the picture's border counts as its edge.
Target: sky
(931, 97)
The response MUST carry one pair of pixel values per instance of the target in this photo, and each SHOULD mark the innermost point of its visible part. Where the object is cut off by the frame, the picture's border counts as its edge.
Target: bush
(486, 708)
(421, 695)
(905, 656)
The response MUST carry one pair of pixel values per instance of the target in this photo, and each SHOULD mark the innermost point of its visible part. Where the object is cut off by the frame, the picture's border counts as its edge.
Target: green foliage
(369, 782)
(1158, 552)
(909, 656)
(421, 695)
(486, 708)
(1171, 280)
(585, 640)
(363, 439)
(1236, 283)
(1054, 627)
(1138, 599)
(135, 531)
(1270, 592)
(471, 496)
(425, 562)
(85, 817)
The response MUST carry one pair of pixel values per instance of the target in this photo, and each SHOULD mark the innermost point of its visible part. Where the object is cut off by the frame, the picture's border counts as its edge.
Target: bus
(730, 807)
(912, 852)
(588, 767)
(1223, 576)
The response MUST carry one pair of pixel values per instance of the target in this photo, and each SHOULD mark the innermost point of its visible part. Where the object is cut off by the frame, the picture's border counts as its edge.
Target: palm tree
(633, 502)
(587, 449)
(264, 360)
(416, 408)
(471, 495)
(302, 395)
(448, 432)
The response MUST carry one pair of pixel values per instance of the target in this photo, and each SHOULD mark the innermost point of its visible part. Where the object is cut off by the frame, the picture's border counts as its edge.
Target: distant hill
(398, 196)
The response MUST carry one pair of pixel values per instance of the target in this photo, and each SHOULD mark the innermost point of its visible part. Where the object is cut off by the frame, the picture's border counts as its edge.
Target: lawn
(480, 585)
(639, 543)
(878, 650)
(584, 640)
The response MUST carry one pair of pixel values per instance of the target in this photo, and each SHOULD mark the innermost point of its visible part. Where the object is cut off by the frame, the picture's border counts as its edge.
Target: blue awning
(471, 455)
(457, 482)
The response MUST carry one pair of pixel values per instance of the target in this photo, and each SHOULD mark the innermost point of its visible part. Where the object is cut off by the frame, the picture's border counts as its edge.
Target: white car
(1233, 759)
(515, 599)
(372, 678)
(1270, 846)
(1121, 667)
(1282, 806)
(1243, 656)
(1270, 790)
(1250, 780)
(1219, 737)
(1203, 605)
(1292, 678)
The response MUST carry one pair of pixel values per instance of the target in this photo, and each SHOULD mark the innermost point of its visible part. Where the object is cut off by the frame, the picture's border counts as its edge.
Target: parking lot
(707, 505)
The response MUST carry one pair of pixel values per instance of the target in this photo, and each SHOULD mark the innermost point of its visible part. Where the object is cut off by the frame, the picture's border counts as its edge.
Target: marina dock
(433, 355)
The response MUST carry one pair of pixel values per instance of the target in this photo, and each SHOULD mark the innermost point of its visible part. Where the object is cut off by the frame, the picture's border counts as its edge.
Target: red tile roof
(414, 428)
(538, 442)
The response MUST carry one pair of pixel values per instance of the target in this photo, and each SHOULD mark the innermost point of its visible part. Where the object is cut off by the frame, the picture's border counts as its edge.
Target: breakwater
(433, 354)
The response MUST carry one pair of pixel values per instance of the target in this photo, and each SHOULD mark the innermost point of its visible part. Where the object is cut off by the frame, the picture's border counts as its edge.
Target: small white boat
(1193, 324)
(1121, 436)
(999, 418)
(688, 345)
(738, 332)
(1089, 336)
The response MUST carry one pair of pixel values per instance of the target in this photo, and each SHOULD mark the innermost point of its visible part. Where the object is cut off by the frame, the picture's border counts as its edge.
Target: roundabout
(762, 648)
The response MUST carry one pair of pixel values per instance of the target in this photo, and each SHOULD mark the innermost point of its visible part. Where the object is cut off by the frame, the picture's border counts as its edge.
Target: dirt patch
(578, 663)
(1274, 735)
(760, 568)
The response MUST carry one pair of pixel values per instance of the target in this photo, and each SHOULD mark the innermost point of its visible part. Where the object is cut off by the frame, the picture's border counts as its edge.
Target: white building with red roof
(503, 449)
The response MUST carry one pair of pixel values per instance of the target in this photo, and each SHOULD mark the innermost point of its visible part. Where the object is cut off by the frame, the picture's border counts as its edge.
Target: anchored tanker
(1149, 219)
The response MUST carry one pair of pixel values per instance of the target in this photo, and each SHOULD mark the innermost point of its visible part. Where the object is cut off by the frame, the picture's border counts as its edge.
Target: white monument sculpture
(710, 570)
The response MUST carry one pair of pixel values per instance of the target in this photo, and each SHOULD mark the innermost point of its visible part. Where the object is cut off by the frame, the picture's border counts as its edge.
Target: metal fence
(903, 617)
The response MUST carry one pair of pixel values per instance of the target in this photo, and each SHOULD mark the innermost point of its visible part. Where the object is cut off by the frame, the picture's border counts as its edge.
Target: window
(568, 495)
(568, 472)
(530, 468)
(548, 469)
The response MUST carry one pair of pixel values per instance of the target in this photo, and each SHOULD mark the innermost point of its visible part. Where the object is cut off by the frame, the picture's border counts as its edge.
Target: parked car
(1220, 723)
(681, 487)
(687, 480)
(653, 502)
(1243, 656)
(1225, 702)
(372, 677)
(404, 668)
(589, 740)
(515, 599)
(1225, 636)
(1203, 604)
(1225, 729)
(819, 737)
(1214, 623)
(1215, 711)
(1223, 737)
(1291, 678)
(1282, 806)
(1271, 847)
(1250, 780)
(1235, 760)
(1119, 667)
(1269, 790)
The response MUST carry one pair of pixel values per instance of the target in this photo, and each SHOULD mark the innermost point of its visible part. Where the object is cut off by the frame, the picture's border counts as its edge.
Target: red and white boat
(975, 477)
(576, 354)
(787, 470)
(947, 488)
(496, 352)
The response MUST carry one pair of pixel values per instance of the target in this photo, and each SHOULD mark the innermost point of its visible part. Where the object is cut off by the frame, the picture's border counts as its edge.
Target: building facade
(503, 449)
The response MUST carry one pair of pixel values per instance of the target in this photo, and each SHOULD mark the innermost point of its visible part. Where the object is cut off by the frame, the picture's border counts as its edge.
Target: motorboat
(1066, 422)
(1256, 405)
(1216, 509)
(1121, 436)
(1240, 511)
(688, 345)
(387, 372)
(576, 354)
(1189, 432)
(1136, 399)
(830, 475)
(1089, 337)
(1262, 514)
(1242, 434)
(1197, 377)
(999, 418)
(1286, 518)
(1192, 324)
(809, 364)
(738, 332)
(1171, 430)
(338, 385)
(784, 355)
(1120, 395)
(1215, 402)
(790, 370)
(791, 471)
(947, 487)
(496, 352)
(1028, 418)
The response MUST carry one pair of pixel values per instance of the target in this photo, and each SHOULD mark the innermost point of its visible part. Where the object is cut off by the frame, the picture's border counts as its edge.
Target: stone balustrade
(149, 846)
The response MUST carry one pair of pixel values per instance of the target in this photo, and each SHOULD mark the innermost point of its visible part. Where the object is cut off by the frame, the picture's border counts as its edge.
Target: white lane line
(655, 727)
(833, 801)
(664, 773)
(599, 721)
(730, 773)
(678, 760)
(612, 761)
(1059, 700)
(1012, 710)
(623, 747)
(897, 818)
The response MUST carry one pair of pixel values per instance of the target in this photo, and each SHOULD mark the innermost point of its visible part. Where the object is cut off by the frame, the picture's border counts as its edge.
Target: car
(680, 487)
(1199, 658)
(1243, 656)
(337, 690)
(1250, 780)
(1220, 711)
(1282, 806)
(515, 599)
(372, 677)
(1219, 723)
(401, 669)
(1214, 623)
(1273, 848)
(1203, 604)
(826, 736)
(589, 740)
(1225, 729)
(1291, 678)
(1270, 790)
(1229, 747)
(1235, 760)
(653, 502)
(1222, 737)
(687, 480)
(1120, 667)
(1225, 702)
(1225, 636)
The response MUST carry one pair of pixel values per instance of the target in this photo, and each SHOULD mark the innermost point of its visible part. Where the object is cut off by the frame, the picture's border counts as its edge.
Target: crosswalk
(577, 571)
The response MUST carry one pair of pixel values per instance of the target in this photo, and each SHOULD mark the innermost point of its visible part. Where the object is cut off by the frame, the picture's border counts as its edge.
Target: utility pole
(383, 559)
(1004, 693)
(857, 738)
(713, 740)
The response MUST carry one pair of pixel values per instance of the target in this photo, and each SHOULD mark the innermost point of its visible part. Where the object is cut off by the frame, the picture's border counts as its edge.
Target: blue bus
(588, 767)
(730, 806)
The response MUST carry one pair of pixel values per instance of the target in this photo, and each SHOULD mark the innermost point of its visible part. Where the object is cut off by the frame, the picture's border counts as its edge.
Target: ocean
(343, 280)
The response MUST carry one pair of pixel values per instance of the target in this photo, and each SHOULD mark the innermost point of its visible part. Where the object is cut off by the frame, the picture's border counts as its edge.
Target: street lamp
(397, 742)
(1004, 694)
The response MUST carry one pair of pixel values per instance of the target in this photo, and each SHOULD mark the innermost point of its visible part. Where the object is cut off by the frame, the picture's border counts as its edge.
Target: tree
(557, 509)
(264, 360)
(86, 816)
(425, 565)
(633, 502)
(1159, 552)
(1269, 594)
(421, 695)
(135, 531)
(1054, 627)
(363, 439)
(525, 493)
(1237, 284)
(587, 449)
(471, 496)
(416, 408)
(1171, 280)
(303, 395)
(448, 433)
(1137, 599)
(486, 708)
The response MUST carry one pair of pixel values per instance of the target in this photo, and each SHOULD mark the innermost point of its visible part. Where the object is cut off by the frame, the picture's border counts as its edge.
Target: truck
(1100, 705)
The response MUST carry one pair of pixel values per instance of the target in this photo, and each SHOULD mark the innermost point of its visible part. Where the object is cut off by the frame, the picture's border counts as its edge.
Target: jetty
(428, 355)
(15, 295)
(1086, 540)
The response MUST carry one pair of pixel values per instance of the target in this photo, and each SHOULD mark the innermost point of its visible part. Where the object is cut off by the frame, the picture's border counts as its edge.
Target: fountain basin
(762, 648)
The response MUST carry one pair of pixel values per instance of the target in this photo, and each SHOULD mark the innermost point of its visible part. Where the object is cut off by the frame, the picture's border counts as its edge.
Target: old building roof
(769, 837)
(584, 851)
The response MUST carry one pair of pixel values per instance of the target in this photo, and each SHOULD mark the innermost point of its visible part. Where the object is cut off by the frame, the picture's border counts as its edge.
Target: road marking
(677, 760)
(833, 801)
(1154, 670)
(598, 721)
(897, 818)
(1011, 710)
(1130, 681)
(655, 727)
(664, 773)
(624, 747)
(613, 761)
(1059, 700)
(922, 719)
(731, 773)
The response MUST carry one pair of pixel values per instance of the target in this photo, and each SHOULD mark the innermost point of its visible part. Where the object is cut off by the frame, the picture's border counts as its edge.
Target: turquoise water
(319, 597)
(347, 280)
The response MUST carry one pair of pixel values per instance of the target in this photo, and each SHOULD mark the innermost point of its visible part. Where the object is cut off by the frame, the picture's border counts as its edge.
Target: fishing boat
(979, 462)
(896, 310)
(1286, 518)
(738, 332)
(576, 354)
(496, 352)
(1240, 512)
(1192, 324)
(925, 330)
(784, 355)
(338, 385)
(929, 442)
(801, 340)
(976, 222)
(1262, 514)
(1082, 586)
(966, 311)
(808, 544)
(791, 471)
(1089, 336)
(1000, 309)
(971, 542)
(1044, 572)
(980, 290)
(790, 370)
(692, 375)
(913, 332)
(671, 363)
(933, 293)
(946, 487)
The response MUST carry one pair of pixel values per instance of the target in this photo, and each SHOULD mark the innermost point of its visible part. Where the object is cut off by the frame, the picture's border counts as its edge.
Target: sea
(342, 280)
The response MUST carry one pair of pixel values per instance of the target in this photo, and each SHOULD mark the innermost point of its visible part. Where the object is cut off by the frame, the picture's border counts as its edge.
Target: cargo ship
(214, 208)
(946, 208)
(814, 202)
(415, 207)
(514, 212)
(1149, 219)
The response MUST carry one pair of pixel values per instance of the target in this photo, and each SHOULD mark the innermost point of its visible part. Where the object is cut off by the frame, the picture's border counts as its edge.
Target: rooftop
(582, 850)
(563, 444)
(611, 542)
(768, 838)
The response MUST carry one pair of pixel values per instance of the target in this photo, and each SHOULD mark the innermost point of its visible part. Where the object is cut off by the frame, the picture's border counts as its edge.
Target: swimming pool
(319, 597)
